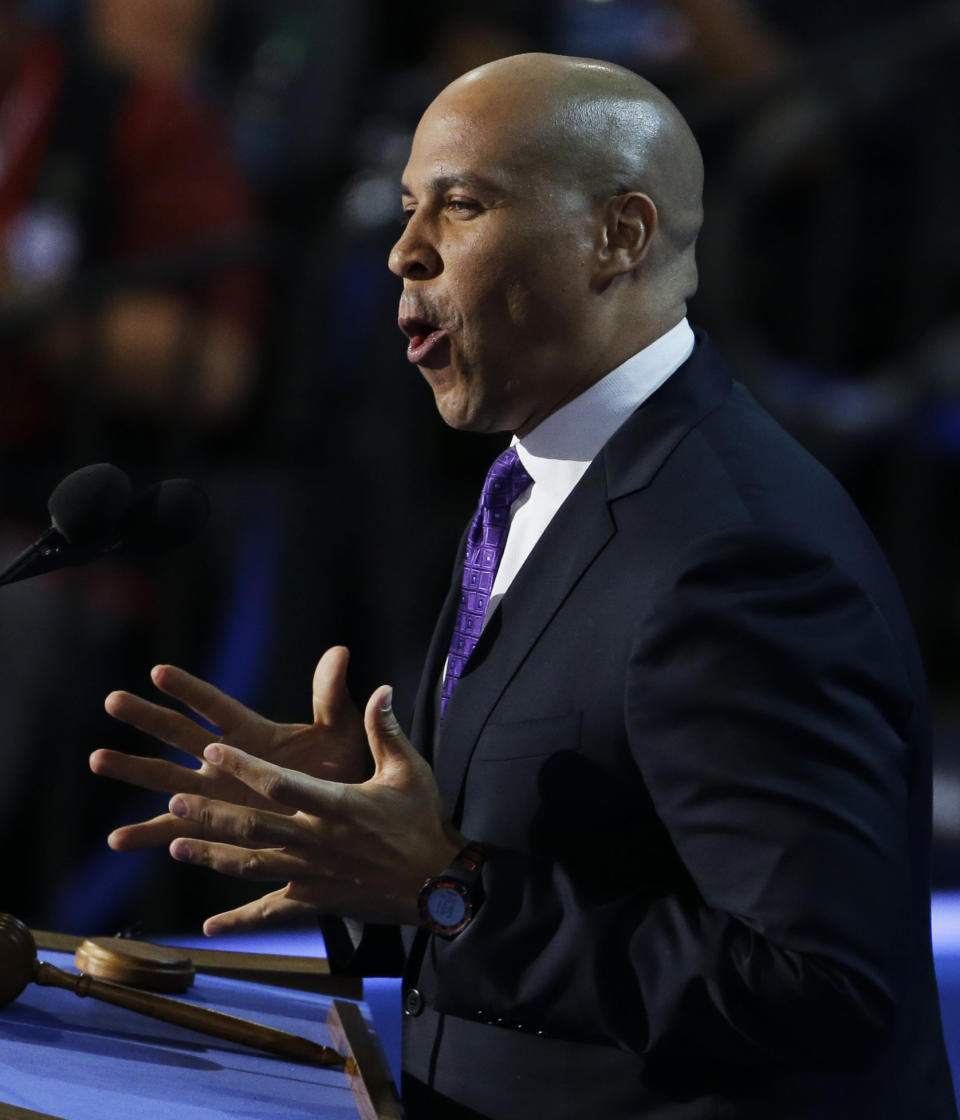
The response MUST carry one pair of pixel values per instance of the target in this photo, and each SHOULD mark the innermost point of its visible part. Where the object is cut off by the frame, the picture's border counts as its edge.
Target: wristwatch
(447, 903)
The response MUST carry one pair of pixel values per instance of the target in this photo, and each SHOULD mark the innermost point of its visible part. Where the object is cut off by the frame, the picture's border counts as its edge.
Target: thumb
(388, 744)
(330, 695)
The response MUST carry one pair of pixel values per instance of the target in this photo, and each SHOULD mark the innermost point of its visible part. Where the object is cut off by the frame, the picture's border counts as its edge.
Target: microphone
(85, 509)
(92, 514)
(165, 516)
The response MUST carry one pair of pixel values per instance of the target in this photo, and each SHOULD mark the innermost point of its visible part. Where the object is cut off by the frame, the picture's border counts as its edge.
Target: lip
(424, 337)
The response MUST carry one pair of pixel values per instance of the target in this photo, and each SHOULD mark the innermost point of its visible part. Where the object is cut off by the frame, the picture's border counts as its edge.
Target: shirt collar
(567, 440)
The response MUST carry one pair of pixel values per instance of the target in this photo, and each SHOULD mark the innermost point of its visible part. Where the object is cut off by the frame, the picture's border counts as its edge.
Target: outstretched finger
(235, 824)
(202, 697)
(273, 907)
(154, 833)
(148, 773)
(260, 865)
(172, 728)
(285, 788)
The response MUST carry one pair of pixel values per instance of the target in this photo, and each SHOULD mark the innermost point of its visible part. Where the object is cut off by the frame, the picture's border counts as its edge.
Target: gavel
(19, 967)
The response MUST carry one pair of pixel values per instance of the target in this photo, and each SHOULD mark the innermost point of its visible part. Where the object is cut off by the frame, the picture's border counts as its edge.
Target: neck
(602, 362)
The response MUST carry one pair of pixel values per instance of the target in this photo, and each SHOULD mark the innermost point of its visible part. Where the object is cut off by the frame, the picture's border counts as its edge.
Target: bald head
(603, 129)
(552, 205)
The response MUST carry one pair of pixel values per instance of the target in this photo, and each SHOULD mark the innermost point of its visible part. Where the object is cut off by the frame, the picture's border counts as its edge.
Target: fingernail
(178, 807)
(213, 754)
(386, 700)
(180, 849)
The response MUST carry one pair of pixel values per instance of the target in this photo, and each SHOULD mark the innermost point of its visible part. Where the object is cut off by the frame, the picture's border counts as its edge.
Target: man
(691, 739)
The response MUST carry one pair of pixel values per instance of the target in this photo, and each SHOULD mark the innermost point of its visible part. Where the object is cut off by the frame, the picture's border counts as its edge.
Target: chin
(465, 419)
(460, 411)
(460, 421)
(455, 411)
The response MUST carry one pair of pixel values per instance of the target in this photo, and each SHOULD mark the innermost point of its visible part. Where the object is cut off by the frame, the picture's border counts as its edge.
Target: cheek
(521, 305)
(545, 290)
(536, 308)
(505, 296)
(525, 294)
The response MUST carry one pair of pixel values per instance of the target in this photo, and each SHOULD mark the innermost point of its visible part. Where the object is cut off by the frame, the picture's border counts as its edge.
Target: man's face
(495, 260)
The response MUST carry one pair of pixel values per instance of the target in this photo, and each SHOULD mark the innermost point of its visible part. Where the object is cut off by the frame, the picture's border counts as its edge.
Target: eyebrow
(443, 183)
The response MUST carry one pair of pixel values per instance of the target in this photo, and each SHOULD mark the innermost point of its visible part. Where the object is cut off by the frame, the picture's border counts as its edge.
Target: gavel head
(18, 958)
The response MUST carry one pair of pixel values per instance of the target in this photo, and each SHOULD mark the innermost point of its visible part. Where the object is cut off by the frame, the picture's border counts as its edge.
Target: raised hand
(334, 747)
(360, 850)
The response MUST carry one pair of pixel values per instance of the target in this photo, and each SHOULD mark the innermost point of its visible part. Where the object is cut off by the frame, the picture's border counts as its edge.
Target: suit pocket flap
(530, 738)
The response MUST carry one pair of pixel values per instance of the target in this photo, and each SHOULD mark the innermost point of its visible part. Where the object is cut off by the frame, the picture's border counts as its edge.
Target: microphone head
(166, 515)
(87, 505)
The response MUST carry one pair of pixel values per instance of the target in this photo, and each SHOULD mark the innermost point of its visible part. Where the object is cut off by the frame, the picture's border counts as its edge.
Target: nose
(414, 256)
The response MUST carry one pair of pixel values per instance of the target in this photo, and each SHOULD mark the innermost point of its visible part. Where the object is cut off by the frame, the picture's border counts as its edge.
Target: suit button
(412, 1003)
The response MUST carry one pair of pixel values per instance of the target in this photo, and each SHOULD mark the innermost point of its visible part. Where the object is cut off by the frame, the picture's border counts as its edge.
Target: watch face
(446, 906)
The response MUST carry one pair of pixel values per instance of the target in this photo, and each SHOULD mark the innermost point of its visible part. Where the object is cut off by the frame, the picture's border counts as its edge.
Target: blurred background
(197, 198)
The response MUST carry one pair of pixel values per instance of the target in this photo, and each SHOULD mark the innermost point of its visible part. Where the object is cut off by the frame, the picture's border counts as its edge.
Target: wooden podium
(75, 1059)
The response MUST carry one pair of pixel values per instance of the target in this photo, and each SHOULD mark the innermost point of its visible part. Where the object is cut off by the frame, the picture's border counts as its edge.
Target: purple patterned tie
(506, 481)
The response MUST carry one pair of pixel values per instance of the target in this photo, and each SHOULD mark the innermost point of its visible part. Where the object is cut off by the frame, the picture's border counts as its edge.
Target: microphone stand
(47, 554)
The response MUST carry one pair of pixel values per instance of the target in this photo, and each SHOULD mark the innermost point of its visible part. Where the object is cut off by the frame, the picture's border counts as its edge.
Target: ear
(629, 222)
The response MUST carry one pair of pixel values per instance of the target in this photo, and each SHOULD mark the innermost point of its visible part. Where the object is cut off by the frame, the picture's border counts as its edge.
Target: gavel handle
(202, 1019)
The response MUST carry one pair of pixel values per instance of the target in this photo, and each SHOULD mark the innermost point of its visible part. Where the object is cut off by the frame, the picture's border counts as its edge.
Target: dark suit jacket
(694, 737)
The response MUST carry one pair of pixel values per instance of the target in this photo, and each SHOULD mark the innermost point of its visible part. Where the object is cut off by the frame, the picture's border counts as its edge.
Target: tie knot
(506, 481)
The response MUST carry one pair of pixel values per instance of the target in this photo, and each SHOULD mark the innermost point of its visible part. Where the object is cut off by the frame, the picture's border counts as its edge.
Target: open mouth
(423, 335)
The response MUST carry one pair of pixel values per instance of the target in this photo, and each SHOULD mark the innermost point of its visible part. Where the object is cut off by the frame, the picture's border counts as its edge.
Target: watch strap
(470, 858)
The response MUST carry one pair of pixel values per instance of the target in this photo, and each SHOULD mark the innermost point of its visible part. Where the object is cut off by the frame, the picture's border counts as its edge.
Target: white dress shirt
(558, 451)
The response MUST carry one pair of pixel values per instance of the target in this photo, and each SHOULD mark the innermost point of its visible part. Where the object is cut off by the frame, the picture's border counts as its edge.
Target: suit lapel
(537, 592)
(639, 448)
(422, 731)
(578, 533)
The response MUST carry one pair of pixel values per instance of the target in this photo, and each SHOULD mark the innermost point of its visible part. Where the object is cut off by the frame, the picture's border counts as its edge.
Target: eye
(464, 206)
(408, 210)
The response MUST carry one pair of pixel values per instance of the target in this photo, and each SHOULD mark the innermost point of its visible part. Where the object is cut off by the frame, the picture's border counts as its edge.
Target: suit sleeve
(767, 707)
(355, 948)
